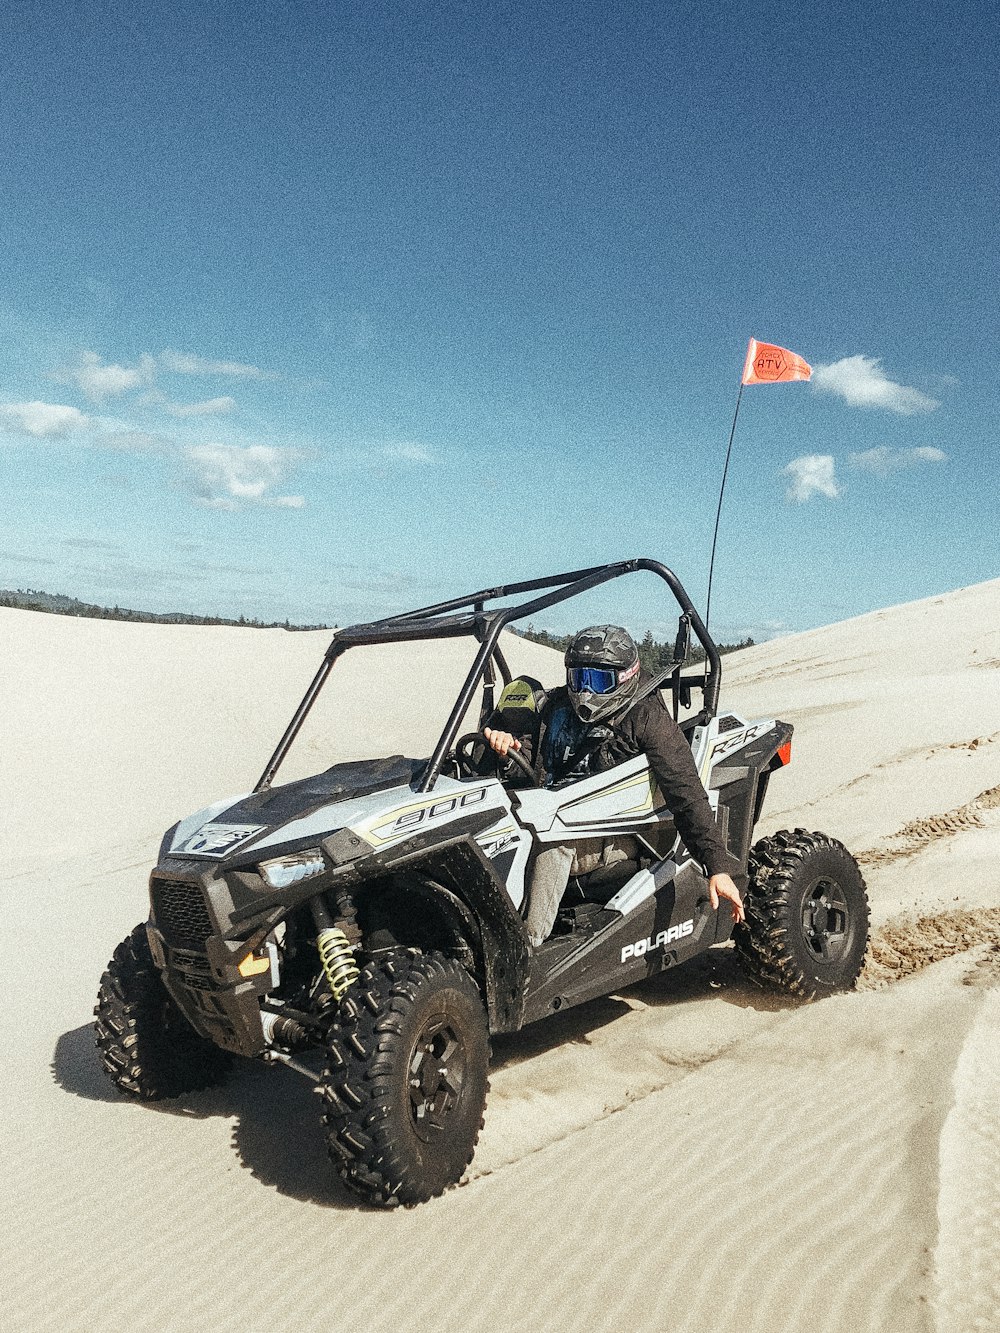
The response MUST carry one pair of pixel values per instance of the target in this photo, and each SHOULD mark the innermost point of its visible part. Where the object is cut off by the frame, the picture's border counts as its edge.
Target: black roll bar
(439, 622)
(293, 728)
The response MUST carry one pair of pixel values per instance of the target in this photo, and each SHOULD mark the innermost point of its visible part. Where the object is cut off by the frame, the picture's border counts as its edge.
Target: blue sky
(325, 310)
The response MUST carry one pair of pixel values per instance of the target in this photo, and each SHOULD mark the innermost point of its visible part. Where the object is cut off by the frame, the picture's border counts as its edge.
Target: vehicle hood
(310, 807)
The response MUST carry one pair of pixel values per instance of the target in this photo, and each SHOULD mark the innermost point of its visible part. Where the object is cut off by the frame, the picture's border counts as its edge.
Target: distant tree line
(30, 599)
(653, 656)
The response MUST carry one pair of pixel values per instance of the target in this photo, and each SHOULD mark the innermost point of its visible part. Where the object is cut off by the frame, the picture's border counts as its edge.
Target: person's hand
(501, 741)
(722, 886)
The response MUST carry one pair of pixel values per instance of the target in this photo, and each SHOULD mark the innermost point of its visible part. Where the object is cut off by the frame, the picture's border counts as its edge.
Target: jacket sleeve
(672, 764)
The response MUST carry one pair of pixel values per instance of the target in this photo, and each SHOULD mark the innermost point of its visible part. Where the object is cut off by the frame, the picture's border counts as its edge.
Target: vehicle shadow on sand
(714, 975)
(277, 1130)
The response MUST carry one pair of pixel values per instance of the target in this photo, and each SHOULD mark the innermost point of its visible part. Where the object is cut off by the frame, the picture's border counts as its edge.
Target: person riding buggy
(606, 713)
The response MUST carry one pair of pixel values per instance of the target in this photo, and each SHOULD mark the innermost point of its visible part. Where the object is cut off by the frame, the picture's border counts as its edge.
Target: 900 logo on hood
(217, 839)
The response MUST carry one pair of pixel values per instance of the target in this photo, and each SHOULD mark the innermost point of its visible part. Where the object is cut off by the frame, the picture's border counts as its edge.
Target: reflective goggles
(591, 680)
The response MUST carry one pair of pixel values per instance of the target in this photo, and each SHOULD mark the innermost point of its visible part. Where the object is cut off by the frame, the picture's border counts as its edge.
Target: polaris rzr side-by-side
(372, 915)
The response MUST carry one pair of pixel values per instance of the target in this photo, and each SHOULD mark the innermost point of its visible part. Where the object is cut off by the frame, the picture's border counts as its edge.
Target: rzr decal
(218, 839)
(518, 694)
(737, 739)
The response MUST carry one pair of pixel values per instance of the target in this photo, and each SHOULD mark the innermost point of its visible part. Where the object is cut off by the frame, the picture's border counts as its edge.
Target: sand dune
(109, 719)
(692, 1155)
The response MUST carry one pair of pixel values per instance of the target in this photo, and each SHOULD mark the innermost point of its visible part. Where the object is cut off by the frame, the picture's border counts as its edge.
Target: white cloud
(861, 382)
(99, 381)
(408, 453)
(182, 363)
(208, 407)
(219, 476)
(41, 420)
(383, 456)
(134, 442)
(883, 461)
(812, 474)
(230, 476)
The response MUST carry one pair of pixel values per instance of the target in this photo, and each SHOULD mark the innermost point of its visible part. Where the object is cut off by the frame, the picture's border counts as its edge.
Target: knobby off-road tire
(806, 930)
(147, 1046)
(406, 1078)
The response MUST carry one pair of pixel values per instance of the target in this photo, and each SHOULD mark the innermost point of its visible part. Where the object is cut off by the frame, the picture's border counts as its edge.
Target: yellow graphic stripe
(640, 780)
(492, 834)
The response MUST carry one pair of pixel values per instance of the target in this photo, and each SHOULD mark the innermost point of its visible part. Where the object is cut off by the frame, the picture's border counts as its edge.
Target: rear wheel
(147, 1046)
(806, 929)
(406, 1078)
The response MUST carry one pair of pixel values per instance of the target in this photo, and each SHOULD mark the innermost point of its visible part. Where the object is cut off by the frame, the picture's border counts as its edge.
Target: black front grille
(181, 914)
(191, 962)
(197, 983)
(192, 969)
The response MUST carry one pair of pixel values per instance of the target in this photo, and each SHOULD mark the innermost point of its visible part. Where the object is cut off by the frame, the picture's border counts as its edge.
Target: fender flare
(468, 886)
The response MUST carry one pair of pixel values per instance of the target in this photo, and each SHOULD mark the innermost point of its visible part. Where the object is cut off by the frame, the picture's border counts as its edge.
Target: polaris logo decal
(217, 839)
(665, 937)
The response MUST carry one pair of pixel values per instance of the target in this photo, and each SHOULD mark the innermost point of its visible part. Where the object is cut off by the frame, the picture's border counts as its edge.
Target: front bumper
(189, 917)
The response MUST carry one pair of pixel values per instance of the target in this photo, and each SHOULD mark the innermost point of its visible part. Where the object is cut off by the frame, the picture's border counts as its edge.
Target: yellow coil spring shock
(337, 957)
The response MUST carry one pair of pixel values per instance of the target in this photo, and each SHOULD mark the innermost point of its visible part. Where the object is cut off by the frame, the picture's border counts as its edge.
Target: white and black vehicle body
(374, 912)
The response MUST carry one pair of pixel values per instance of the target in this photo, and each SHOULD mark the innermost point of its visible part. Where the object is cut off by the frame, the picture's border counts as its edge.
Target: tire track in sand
(904, 946)
(781, 1188)
(919, 833)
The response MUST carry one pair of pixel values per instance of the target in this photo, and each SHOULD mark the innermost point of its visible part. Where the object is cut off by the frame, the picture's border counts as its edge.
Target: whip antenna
(718, 512)
(766, 363)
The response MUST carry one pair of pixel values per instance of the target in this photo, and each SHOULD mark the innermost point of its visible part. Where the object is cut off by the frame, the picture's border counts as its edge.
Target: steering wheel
(467, 765)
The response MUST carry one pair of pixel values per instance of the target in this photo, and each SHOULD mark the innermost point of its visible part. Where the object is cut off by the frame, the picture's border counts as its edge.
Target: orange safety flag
(767, 364)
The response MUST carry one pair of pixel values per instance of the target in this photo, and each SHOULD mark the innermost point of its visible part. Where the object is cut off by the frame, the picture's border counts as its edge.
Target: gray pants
(552, 869)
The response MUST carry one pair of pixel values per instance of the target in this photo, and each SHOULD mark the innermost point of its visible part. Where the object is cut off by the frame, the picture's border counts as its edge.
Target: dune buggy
(371, 915)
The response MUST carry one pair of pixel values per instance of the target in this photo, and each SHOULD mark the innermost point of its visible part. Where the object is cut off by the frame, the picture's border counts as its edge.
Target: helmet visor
(591, 680)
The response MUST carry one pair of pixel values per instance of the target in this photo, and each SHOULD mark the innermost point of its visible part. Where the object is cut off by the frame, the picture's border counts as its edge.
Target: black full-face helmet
(602, 671)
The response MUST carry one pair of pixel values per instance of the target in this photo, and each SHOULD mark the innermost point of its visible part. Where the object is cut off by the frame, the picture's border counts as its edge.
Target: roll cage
(470, 615)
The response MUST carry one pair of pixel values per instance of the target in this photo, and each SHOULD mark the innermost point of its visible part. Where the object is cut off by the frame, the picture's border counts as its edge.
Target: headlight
(285, 870)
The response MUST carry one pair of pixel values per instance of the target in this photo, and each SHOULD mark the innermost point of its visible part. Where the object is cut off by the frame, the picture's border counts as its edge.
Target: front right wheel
(147, 1047)
(806, 929)
(406, 1078)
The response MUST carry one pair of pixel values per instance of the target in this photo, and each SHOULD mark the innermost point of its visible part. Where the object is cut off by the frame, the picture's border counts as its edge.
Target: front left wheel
(406, 1078)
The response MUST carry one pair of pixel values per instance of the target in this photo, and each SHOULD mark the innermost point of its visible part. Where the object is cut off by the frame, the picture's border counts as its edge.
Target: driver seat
(519, 711)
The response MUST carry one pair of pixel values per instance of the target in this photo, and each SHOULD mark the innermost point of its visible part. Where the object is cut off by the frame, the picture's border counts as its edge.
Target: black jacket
(572, 748)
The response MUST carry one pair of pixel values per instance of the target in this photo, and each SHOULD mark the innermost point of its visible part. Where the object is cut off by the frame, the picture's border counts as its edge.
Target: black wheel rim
(436, 1077)
(826, 921)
